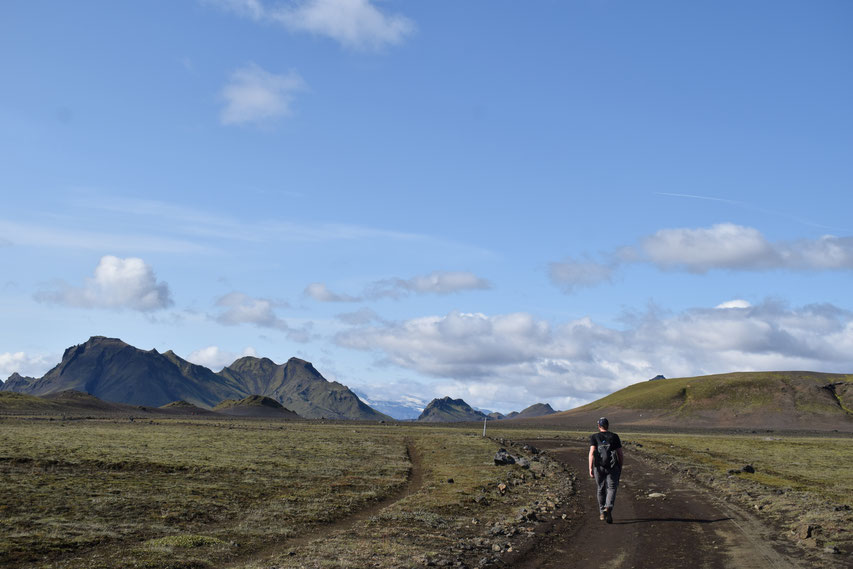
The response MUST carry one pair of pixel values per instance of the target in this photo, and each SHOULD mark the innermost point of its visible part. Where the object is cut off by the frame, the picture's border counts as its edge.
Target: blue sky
(508, 202)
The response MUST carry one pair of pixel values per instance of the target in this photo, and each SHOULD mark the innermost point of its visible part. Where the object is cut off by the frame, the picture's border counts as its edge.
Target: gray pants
(607, 483)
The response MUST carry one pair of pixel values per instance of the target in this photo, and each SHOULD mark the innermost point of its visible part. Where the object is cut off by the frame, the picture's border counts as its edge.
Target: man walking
(605, 465)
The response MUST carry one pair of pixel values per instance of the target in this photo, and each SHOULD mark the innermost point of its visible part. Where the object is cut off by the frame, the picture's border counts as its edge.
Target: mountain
(111, 370)
(255, 406)
(300, 388)
(115, 371)
(447, 410)
(535, 410)
(789, 400)
(17, 382)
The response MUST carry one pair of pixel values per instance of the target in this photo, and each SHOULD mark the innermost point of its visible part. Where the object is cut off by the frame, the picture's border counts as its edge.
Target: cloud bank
(724, 246)
(116, 284)
(578, 361)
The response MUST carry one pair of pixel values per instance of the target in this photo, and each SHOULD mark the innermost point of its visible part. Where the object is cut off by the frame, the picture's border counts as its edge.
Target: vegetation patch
(183, 541)
(206, 493)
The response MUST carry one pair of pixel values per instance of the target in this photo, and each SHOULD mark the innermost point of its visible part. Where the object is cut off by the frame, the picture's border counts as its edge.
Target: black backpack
(605, 456)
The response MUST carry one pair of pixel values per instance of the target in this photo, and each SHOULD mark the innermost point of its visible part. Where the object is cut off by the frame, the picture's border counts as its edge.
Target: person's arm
(620, 456)
(591, 461)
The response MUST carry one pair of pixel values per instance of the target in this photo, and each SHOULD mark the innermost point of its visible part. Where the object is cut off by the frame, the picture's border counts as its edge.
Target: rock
(806, 531)
(522, 462)
(831, 549)
(503, 458)
(502, 488)
(748, 469)
(450, 480)
(656, 495)
(842, 508)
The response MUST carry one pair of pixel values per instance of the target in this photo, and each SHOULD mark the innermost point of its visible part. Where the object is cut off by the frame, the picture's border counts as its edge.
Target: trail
(687, 528)
(413, 484)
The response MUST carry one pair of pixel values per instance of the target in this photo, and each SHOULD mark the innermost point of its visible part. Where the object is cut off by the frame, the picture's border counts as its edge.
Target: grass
(183, 494)
(88, 493)
(818, 465)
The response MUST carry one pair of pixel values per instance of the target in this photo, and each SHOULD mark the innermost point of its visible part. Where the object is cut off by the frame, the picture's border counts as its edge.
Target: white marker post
(484, 425)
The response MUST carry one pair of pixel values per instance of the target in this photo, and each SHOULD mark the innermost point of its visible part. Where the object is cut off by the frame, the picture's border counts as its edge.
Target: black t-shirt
(606, 436)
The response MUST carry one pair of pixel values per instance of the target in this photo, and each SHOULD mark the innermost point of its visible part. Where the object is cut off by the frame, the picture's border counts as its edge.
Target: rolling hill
(772, 400)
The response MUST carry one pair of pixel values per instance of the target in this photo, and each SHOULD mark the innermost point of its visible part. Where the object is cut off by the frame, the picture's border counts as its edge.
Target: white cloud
(239, 308)
(320, 292)
(25, 364)
(442, 282)
(256, 96)
(436, 282)
(243, 309)
(571, 274)
(117, 284)
(736, 303)
(724, 246)
(729, 246)
(355, 24)
(215, 358)
(721, 246)
(515, 357)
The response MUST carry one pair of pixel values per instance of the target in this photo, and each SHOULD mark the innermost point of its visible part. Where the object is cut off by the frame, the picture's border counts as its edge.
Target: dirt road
(686, 528)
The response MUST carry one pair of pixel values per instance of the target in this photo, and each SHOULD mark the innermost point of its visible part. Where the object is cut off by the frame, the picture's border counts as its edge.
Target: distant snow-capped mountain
(406, 408)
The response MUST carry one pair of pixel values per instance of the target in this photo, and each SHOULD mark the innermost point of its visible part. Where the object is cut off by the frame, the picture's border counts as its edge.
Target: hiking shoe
(607, 517)
(601, 516)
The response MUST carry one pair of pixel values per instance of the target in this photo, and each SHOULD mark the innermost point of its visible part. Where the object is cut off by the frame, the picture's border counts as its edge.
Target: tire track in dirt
(414, 482)
(687, 528)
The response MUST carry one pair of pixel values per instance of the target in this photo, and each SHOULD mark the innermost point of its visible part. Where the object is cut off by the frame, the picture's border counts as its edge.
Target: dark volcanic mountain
(115, 371)
(111, 370)
(300, 388)
(447, 410)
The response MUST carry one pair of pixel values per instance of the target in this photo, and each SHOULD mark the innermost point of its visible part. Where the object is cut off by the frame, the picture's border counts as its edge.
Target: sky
(505, 202)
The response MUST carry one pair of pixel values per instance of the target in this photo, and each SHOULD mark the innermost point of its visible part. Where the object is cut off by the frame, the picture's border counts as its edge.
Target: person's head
(603, 424)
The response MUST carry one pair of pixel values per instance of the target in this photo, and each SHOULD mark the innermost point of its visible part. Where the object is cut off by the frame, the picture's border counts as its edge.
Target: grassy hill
(777, 400)
(255, 406)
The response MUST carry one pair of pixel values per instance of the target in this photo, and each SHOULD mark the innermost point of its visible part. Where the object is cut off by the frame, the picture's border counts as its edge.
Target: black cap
(603, 422)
